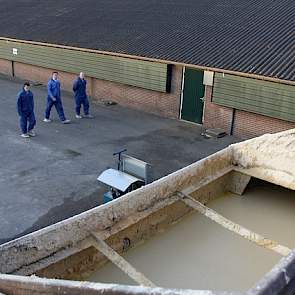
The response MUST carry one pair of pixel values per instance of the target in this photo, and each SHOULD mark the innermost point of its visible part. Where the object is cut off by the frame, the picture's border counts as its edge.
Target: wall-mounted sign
(208, 78)
(14, 51)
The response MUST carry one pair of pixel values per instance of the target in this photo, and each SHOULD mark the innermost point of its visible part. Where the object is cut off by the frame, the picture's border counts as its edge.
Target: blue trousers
(58, 107)
(82, 101)
(25, 120)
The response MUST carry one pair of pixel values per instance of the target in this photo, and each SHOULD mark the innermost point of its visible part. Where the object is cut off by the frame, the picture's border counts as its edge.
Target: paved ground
(53, 176)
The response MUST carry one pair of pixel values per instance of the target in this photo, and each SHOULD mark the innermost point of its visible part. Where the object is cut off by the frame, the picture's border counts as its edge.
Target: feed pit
(252, 258)
(193, 253)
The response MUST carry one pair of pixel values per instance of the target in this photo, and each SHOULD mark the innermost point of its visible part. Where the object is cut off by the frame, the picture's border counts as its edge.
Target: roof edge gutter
(136, 57)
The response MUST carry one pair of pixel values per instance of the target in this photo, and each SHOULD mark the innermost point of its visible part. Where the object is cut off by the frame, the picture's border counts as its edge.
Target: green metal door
(193, 96)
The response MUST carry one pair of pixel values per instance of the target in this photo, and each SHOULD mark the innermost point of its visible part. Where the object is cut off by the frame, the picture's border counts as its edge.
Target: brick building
(227, 64)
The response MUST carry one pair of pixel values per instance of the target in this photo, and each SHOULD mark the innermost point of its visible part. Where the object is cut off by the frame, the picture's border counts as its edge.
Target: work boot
(25, 135)
(32, 133)
(78, 116)
(66, 121)
(88, 116)
(46, 120)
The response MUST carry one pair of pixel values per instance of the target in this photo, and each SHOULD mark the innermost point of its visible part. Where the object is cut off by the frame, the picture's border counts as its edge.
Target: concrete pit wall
(53, 251)
(80, 266)
(55, 243)
(18, 285)
(280, 280)
(269, 157)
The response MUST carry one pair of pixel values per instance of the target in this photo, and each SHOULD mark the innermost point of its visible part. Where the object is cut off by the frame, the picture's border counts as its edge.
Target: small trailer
(131, 174)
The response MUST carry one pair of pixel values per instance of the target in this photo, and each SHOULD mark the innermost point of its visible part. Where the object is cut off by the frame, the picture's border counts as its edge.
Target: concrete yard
(53, 176)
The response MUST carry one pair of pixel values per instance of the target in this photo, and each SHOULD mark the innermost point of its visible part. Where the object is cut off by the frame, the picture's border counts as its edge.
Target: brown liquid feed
(199, 254)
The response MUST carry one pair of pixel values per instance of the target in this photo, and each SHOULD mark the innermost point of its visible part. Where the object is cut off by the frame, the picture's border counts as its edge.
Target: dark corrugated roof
(250, 36)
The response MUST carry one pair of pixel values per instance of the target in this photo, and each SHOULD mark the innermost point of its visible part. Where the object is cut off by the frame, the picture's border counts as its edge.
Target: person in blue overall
(25, 109)
(54, 99)
(79, 88)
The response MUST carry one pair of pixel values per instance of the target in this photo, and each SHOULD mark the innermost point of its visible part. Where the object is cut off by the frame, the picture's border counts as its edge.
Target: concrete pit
(66, 250)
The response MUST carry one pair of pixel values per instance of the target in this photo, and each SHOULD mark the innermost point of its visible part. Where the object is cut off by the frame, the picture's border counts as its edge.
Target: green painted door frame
(193, 96)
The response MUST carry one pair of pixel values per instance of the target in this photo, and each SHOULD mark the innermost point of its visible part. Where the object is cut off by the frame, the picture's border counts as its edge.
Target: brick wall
(164, 104)
(246, 124)
(5, 67)
(216, 116)
(38, 74)
(249, 125)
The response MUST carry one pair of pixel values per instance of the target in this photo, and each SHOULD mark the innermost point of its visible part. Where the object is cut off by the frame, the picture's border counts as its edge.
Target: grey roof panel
(251, 36)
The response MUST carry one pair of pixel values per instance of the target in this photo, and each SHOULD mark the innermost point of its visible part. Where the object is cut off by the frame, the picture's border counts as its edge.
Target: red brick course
(164, 104)
(42, 75)
(246, 124)
(6, 67)
(249, 125)
(216, 116)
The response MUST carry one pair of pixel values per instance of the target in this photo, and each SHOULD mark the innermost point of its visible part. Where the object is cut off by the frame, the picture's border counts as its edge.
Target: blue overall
(81, 98)
(25, 109)
(53, 89)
